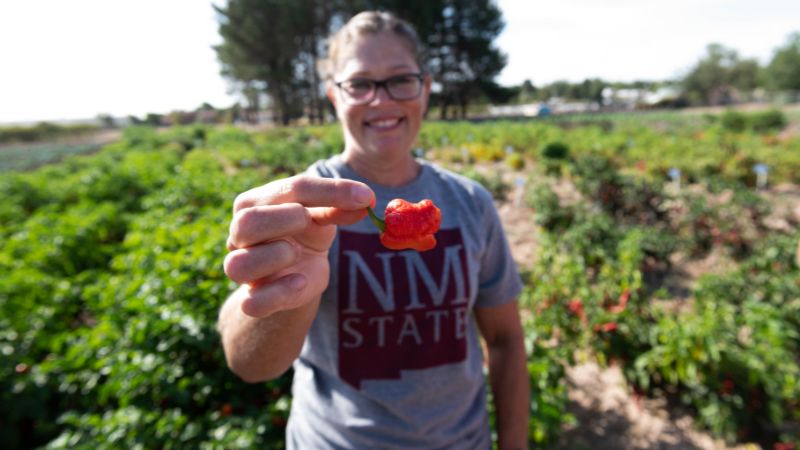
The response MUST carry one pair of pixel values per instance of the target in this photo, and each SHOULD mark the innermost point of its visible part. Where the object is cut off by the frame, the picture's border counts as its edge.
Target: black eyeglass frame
(384, 83)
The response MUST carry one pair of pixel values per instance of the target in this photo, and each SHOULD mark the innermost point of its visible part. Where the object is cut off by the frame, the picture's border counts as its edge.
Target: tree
(107, 120)
(527, 92)
(745, 75)
(707, 81)
(497, 94)
(463, 55)
(558, 88)
(719, 75)
(783, 72)
(153, 119)
(263, 42)
(592, 89)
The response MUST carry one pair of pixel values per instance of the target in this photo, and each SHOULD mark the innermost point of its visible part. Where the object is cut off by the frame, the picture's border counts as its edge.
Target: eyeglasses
(360, 91)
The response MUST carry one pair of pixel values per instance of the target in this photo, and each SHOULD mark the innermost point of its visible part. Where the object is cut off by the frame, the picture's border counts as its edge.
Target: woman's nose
(381, 95)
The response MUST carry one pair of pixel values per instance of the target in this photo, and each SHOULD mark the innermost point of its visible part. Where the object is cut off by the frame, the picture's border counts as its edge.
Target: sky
(62, 60)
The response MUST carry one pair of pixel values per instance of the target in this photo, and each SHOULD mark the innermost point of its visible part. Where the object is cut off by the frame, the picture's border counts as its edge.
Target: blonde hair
(369, 23)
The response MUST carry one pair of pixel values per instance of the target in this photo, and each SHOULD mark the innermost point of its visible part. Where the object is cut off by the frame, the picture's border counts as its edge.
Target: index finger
(309, 191)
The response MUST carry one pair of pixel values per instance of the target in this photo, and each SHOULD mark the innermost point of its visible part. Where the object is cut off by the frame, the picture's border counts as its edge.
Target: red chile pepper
(408, 225)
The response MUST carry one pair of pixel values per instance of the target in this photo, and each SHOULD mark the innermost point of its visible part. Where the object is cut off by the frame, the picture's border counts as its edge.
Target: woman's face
(384, 126)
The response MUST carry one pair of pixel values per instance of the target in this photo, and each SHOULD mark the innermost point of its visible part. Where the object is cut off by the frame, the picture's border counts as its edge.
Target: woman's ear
(426, 89)
(330, 93)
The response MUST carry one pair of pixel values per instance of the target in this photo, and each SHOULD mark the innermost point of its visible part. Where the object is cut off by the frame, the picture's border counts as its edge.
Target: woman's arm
(261, 349)
(501, 328)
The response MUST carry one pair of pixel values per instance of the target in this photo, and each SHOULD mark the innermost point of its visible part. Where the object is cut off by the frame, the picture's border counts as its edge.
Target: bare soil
(610, 417)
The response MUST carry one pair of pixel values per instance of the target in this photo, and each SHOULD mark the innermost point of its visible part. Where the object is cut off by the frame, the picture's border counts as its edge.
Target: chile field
(662, 244)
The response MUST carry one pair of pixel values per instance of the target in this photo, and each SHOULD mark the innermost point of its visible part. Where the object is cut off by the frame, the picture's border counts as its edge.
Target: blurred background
(643, 155)
(94, 62)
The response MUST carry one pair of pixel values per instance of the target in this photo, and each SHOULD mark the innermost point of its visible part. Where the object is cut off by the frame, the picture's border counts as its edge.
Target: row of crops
(42, 131)
(24, 157)
(112, 277)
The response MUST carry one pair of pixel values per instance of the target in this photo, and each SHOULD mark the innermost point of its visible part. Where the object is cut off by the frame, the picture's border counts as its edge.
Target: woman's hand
(280, 236)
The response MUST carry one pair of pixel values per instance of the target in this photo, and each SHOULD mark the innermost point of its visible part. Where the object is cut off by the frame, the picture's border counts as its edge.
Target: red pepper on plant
(607, 327)
(727, 387)
(576, 307)
(623, 301)
(408, 225)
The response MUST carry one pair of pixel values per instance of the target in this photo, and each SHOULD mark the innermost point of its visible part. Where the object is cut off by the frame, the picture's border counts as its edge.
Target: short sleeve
(498, 278)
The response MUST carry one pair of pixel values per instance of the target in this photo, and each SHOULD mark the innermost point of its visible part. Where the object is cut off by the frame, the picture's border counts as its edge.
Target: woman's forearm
(511, 392)
(262, 349)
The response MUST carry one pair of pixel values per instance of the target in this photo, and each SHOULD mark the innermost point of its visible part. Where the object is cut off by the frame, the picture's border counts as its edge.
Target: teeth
(384, 123)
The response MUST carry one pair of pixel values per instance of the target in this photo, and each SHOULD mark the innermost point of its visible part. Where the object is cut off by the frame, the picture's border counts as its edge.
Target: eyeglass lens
(402, 87)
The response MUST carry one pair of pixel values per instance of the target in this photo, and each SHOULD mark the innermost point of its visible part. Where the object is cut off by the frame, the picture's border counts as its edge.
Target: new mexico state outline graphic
(400, 310)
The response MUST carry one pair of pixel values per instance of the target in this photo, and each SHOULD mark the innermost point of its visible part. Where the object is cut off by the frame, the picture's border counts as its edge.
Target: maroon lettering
(400, 310)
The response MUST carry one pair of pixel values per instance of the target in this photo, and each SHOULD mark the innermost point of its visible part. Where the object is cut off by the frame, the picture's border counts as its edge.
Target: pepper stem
(380, 224)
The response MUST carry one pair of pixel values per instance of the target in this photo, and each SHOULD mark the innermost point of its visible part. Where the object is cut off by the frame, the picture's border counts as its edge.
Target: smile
(384, 124)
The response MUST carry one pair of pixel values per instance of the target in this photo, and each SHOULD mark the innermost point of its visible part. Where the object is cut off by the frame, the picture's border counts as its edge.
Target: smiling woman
(385, 343)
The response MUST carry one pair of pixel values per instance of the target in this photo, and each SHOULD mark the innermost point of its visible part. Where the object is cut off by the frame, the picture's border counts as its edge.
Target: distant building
(563, 106)
(526, 110)
(630, 98)
(664, 96)
(624, 98)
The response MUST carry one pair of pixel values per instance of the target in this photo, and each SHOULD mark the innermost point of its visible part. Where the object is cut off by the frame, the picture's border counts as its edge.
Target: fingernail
(361, 193)
(298, 282)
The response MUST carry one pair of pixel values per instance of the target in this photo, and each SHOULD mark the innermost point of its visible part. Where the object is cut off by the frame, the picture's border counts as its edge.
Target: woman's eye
(402, 81)
(360, 85)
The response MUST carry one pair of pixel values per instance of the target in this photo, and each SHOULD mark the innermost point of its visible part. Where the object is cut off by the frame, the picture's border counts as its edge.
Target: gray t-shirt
(393, 359)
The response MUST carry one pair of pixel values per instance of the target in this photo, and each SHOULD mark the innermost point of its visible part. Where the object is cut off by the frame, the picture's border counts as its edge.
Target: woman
(384, 343)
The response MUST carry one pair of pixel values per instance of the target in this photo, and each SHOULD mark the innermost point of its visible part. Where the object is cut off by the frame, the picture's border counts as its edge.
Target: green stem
(380, 224)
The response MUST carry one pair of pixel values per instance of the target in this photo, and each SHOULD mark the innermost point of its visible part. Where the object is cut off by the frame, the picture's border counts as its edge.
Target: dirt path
(520, 231)
(612, 418)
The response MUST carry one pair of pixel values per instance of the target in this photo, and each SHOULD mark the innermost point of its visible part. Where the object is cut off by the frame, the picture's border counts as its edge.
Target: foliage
(758, 122)
(555, 150)
(783, 70)
(549, 213)
(271, 46)
(734, 355)
(290, 154)
(553, 157)
(733, 121)
(515, 161)
(548, 404)
(463, 57)
(26, 157)
(112, 277)
(714, 77)
(493, 183)
(772, 120)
